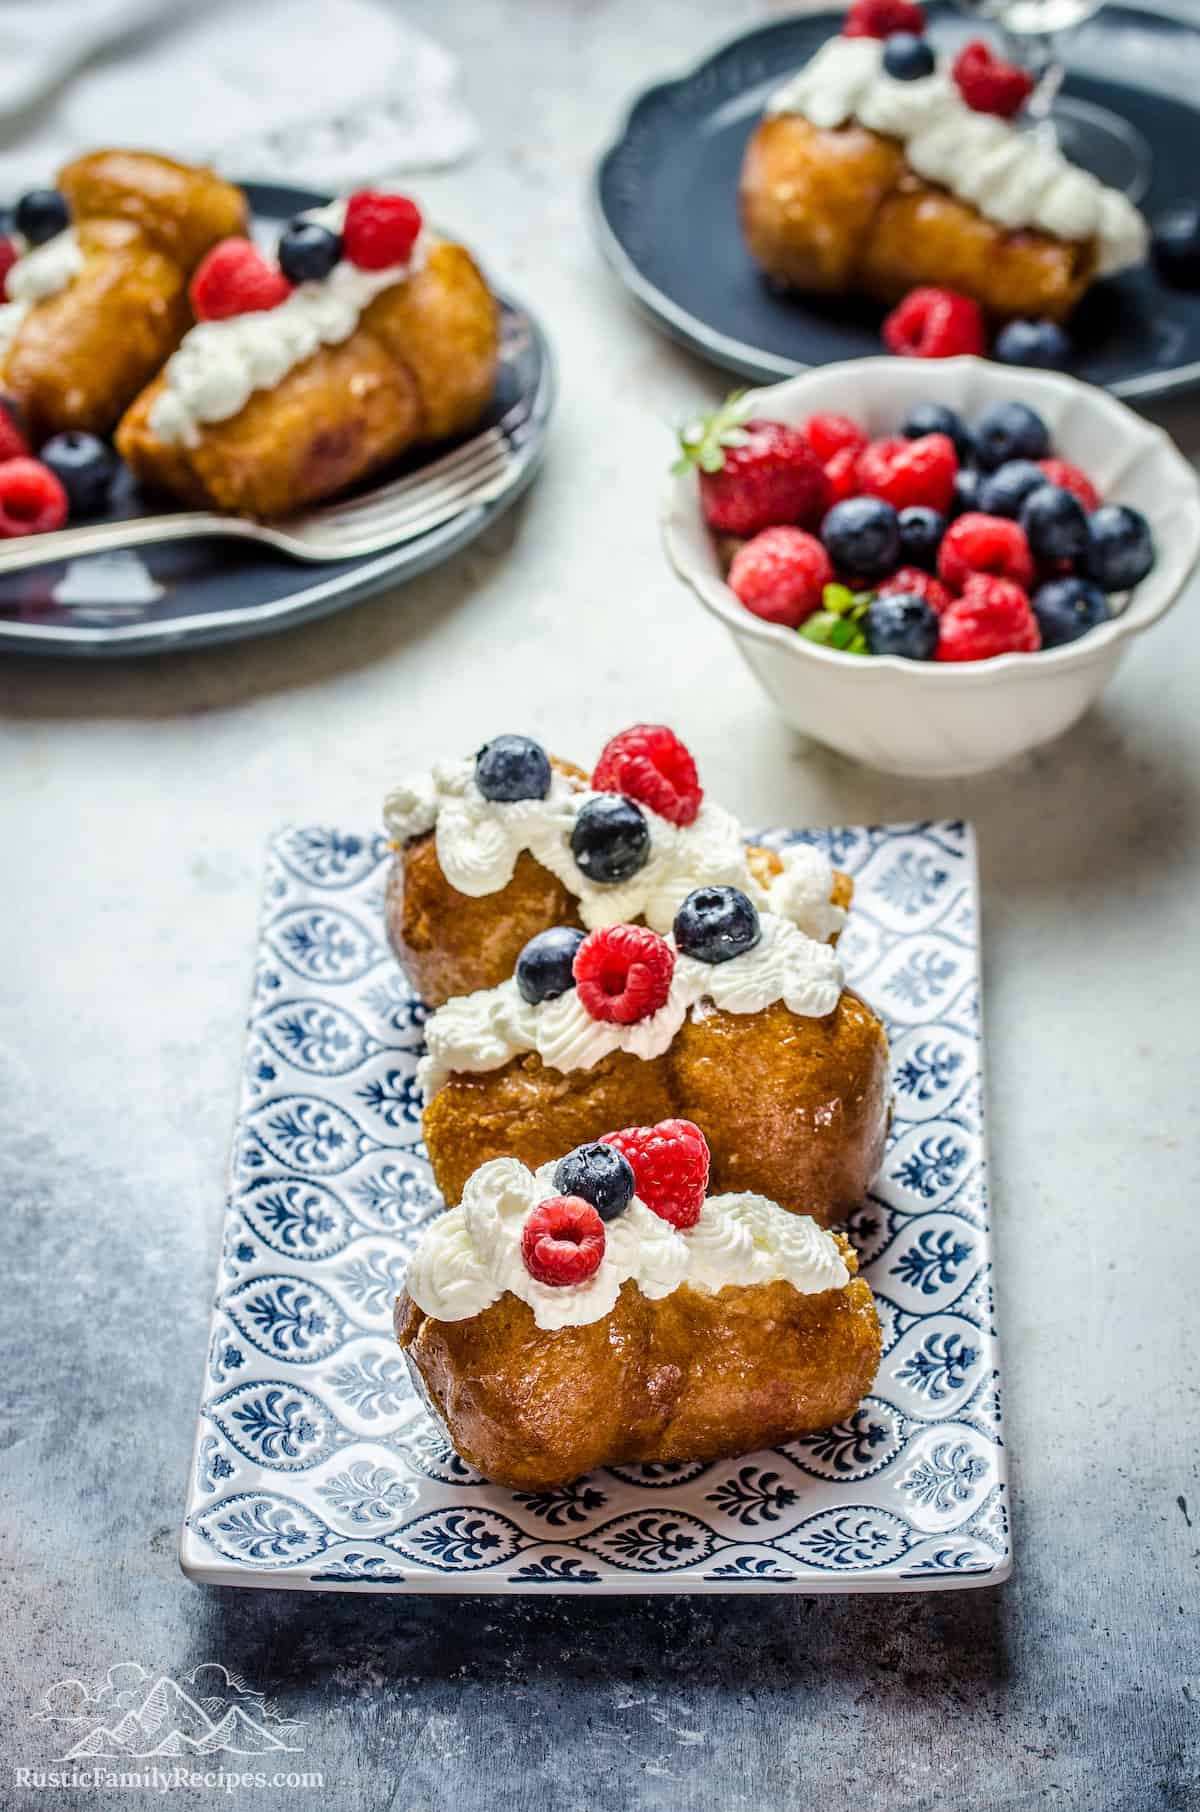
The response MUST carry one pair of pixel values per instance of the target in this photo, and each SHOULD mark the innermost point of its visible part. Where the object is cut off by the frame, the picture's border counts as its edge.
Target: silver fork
(394, 513)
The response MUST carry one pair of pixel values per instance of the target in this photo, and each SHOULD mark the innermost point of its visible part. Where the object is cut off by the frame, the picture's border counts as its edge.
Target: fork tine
(360, 538)
(383, 509)
(398, 495)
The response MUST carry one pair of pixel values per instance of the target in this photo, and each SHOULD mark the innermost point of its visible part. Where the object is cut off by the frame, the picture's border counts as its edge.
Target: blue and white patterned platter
(317, 1467)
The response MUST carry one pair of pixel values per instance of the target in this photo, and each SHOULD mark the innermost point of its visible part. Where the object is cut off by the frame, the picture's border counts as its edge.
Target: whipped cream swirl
(39, 272)
(220, 364)
(470, 1257)
(483, 1031)
(479, 841)
(1015, 179)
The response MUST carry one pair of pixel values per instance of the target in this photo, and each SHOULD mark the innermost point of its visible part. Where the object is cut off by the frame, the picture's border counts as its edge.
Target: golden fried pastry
(478, 872)
(95, 310)
(856, 182)
(265, 411)
(784, 1070)
(550, 1340)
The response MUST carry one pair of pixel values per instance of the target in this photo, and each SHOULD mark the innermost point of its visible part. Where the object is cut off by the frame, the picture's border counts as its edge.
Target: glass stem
(1036, 52)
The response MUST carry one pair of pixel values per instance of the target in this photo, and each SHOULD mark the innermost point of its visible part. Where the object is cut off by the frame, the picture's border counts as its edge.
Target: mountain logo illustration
(169, 1722)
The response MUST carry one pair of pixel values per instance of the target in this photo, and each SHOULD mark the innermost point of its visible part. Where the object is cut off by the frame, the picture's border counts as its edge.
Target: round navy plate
(147, 600)
(666, 205)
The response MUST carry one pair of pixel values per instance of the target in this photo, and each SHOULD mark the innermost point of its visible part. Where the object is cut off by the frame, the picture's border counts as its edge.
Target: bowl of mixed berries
(931, 569)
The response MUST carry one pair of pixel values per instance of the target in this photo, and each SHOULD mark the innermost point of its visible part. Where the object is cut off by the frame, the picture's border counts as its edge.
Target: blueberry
(512, 767)
(1001, 493)
(1068, 608)
(906, 57)
(901, 624)
(1176, 245)
(599, 1174)
(1042, 344)
(41, 215)
(611, 839)
(921, 532)
(715, 924)
(1120, 547)
(1055, 523)
(862, 536)
(935, 418)
(546, 966)
(967, 485)
(1010, 431)
(84, 466)
(307, 252)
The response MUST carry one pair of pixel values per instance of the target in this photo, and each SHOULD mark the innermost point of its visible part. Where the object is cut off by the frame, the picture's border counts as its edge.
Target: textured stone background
(135, 804)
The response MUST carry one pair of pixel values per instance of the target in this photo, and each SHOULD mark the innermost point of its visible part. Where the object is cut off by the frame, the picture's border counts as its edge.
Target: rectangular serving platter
(316, 1467)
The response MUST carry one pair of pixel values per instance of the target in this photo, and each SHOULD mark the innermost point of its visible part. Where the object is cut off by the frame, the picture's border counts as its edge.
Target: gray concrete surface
(135, 802)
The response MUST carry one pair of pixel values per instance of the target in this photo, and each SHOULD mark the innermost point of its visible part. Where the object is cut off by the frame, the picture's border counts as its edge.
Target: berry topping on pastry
(32, 501)
(862, 536)
(1069, 478)
(935, 324)
(623, 973)
(1010, 431)
(41, 215)
(563, 1241)
(828, 434)
(906, 472)
(781, 575)
(8, 257)
(921, 531)
(512, 767)
(914, 583)
(984, 544)
(936, 418)
(907, 57)
(1055, 524)
(650, 764)
(235, 279)
(1042, 344)
(1067, 608)
(380, 230)
(880, 18)
(1002, 492)
(988, 84)
(85, 466)
(13, 444)
(753, 474)
(715, 924)
(901, 623)
(598, 1174)
(545, 967)
(993, 616)
(1120, 547)
(610, 839)
(308, 251)
(670, 1166)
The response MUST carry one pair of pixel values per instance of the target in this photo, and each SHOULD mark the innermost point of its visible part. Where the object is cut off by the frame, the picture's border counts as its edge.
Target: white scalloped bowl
(937, 719)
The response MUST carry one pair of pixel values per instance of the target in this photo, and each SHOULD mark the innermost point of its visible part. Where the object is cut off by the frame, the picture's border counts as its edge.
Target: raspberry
(651, 765)
(563, 1240)
(984, 544)
(753, 474)
(670, 1167)
(935, 324)
(908, 472)
(880, 18)
(8, 257)
(1070, 478)
(32, 501)
(841, 473)
(623, 973)
(993, 616)
(235, 279)
(989, 84)
(379, 230)
(830, 434)
(781, 575)
(13, 444)
(912, 581)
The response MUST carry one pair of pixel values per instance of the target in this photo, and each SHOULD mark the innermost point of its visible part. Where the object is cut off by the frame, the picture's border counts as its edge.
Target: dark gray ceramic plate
(187, 593)
(666, 215)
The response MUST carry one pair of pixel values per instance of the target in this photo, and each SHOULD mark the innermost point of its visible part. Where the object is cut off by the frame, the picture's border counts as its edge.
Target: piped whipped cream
(479, 841)
(471, 1256)
(220, 364)
(1015, 179)
(483, 1031)
(40, 271)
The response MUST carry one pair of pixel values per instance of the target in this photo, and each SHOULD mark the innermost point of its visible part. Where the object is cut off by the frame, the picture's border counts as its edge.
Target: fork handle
(99, 537)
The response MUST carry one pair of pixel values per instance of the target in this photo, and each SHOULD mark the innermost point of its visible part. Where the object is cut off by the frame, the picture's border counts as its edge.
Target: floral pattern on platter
(317, 1466)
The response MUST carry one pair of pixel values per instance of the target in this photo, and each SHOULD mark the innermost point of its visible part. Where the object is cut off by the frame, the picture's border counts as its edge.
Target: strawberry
(753, 474)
